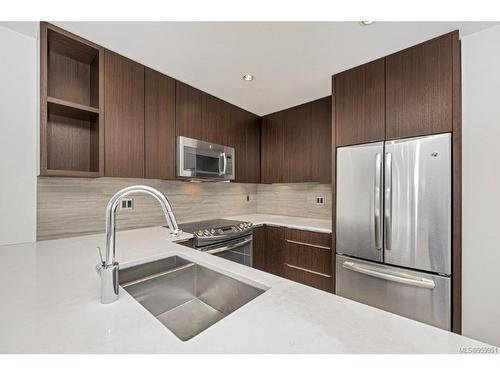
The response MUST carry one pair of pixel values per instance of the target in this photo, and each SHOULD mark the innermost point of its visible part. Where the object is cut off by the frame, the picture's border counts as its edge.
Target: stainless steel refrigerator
(393, 226)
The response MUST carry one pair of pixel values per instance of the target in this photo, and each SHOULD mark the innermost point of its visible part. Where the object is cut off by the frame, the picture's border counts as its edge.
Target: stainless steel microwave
(204, 160)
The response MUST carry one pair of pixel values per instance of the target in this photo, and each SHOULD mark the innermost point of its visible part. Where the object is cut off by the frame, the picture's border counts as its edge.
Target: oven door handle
(229, 247)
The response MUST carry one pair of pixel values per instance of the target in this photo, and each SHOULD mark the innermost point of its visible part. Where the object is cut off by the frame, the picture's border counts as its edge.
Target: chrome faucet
(108, 268)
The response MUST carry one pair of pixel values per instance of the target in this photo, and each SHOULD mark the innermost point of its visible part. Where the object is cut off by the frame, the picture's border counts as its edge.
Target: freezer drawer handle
(419, 282)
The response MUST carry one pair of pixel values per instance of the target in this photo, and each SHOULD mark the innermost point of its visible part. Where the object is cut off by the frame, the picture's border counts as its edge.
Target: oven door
(199, 159)
(238, 250)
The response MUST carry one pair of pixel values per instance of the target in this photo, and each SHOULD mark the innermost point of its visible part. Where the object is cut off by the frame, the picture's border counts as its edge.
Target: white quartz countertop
(50, 304)
(304, 223)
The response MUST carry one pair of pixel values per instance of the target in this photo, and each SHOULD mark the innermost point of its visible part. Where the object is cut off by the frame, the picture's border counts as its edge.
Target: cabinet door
(273, 128)
(159, 125)
(252, 136)
(359, 95)
(298, 148)
(124, 116)
(189, 108)
(216, 120)
(259, 248)
(321, 140)
(275, 248)
(419, 89)
(246, 136)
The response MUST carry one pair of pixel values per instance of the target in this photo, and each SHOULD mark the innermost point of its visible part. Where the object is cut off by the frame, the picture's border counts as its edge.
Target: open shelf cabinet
(71, 105)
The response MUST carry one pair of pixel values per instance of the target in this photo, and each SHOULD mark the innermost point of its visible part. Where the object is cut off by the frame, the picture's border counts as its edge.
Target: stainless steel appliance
(203, 160)
(227, 239)
(393, 226)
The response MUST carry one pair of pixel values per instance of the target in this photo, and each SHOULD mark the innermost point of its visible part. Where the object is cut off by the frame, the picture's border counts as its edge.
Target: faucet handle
(100, 255)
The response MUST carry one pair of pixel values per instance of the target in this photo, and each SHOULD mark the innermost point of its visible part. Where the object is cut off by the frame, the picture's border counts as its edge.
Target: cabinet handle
(309, 244)
(309, 271)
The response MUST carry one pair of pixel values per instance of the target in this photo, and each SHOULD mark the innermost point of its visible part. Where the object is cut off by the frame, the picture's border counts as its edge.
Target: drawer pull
(309, 271)
(309, 244)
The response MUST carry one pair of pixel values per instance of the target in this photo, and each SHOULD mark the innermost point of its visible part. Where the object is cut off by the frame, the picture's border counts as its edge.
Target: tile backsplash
(295, 200)
(76, 206)
(69, 207)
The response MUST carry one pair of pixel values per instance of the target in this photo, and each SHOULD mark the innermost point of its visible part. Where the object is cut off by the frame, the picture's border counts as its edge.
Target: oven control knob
(212, 231)
(206, 232)
(199, 233)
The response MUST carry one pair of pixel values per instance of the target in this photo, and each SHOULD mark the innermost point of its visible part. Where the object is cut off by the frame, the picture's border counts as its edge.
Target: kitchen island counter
(50, 304)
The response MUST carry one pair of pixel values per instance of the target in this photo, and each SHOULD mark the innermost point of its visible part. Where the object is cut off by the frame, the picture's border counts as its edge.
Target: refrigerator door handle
(377, 201)
(388, 201)
(420, 282)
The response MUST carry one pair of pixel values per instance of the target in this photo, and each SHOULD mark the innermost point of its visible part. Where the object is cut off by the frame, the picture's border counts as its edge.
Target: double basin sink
(185, 296)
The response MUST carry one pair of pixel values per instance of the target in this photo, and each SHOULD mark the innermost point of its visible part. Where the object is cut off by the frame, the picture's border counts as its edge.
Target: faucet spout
(108, 269)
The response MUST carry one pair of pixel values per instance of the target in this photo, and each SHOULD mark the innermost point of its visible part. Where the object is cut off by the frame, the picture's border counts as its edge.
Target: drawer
(310, 238)
(307, 277)
(311, 257)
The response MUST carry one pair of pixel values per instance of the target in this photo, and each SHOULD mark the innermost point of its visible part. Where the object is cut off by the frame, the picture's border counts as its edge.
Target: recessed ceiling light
(367, 23)
(247, 77)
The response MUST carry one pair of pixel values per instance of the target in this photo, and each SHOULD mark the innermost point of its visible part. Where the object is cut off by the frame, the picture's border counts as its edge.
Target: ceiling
(292, 61)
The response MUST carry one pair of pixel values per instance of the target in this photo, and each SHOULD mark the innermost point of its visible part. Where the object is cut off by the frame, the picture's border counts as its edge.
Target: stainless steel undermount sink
(185, 296)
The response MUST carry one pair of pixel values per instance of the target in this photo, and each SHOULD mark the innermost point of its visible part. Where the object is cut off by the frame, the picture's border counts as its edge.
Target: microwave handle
(224, 164)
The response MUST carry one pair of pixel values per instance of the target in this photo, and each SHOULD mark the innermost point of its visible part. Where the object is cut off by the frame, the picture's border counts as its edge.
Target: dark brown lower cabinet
(308, 258)
(258, 248)
(301, 256)
(268, 249)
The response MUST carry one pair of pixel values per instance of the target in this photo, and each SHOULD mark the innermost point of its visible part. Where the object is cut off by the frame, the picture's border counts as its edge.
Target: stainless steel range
(227, 239)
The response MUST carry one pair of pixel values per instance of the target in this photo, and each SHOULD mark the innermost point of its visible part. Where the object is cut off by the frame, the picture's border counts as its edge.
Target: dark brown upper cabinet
(419, 89)
(159, 126)
(359, 95)
(251, 162)
(215, 120)
(124, 119)
(244, 136)
(273, 148)
(189, 108)
(296, 144)
(321, 140)
(202, 116)
(71, 104)
(145, 111)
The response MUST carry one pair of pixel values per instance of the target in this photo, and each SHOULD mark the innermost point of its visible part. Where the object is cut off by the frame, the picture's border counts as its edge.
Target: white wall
(18, 140)
(481, 185)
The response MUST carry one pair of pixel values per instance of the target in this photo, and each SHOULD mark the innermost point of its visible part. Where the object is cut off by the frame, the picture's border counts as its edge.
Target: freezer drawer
(416, 295)
(359, 201)
(418, 203)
